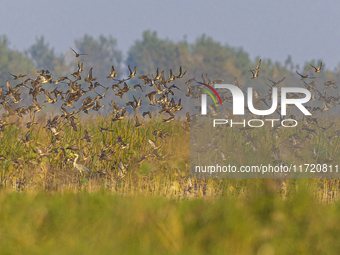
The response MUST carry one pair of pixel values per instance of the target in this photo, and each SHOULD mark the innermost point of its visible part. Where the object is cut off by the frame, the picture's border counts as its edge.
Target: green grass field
(105, 223)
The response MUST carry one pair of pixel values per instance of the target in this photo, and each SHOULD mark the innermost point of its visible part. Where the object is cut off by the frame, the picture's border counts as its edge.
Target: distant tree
(220, 61)
(102, 53)
(289, 63)
(43, 56)
(12, 61)
(151, 53)
(204, 56)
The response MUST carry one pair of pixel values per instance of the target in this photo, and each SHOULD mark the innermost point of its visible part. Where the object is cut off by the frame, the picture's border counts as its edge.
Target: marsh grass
(22, 168)
(100, 222)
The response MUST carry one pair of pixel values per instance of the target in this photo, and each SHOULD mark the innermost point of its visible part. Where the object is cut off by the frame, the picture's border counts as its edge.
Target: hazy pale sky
(267, 28)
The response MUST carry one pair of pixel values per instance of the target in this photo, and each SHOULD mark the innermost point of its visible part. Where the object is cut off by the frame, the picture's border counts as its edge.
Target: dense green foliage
(103, 223)
(12, 61)
(102, 53)
(44, 57)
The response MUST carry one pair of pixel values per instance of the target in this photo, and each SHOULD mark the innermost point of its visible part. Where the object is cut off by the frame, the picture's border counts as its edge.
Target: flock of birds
(162, 96)
(328, 101)
(283, 149)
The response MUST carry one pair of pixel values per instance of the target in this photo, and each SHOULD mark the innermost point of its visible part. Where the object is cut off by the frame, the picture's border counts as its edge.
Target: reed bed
(168, 176)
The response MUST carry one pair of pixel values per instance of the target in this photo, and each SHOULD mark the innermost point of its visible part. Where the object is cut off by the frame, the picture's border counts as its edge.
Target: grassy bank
(103, 223)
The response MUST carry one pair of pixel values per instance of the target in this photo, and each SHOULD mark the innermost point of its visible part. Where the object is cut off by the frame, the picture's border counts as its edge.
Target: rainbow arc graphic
(204, 97)
(209, 93)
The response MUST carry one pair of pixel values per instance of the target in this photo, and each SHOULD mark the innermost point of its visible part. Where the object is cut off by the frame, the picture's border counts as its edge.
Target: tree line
(204, 57)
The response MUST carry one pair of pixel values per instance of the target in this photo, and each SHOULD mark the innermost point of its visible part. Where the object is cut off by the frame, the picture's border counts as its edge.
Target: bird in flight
(255, 72)
(304, 76)
(276, 83)
(77, 54)
(17, 76)
(132, 73)
(113, 73)
(317, 69)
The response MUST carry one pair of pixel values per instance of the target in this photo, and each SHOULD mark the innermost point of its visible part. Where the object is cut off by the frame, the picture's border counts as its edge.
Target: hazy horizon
(265, 29)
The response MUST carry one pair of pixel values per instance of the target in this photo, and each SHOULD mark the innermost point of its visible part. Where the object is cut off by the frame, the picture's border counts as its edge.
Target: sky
(273, 29)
